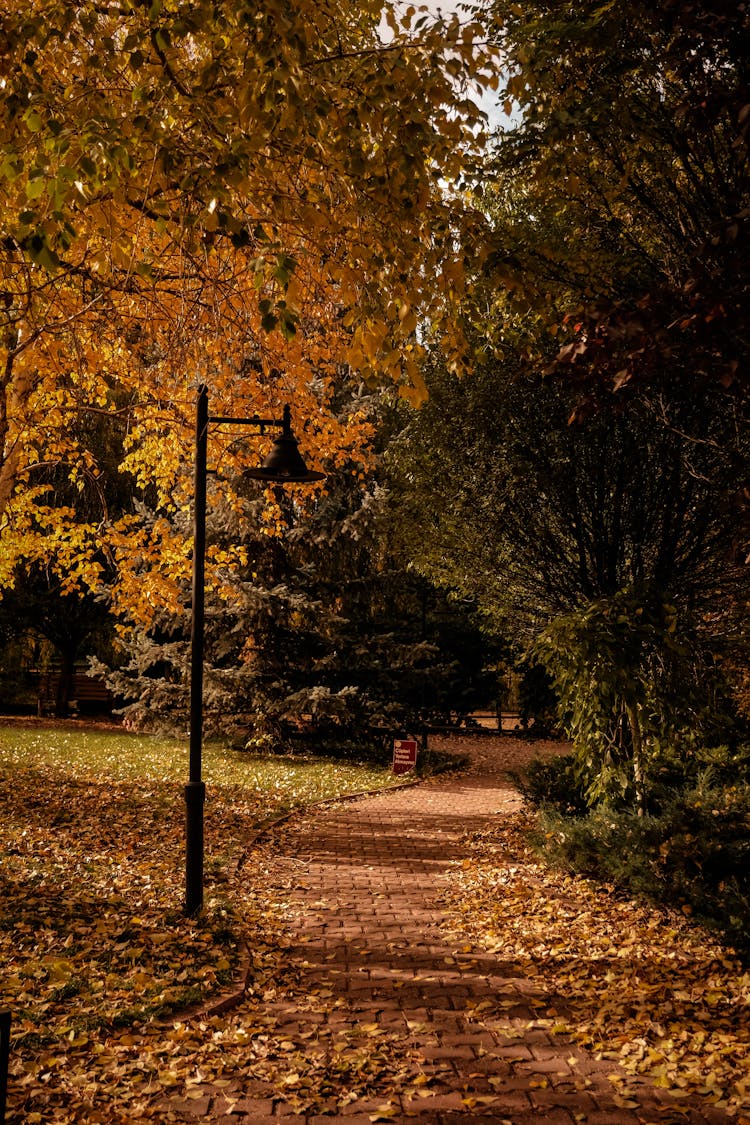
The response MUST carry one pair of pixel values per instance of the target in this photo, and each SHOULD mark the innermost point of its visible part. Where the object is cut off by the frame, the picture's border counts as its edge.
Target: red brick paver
(363, 881)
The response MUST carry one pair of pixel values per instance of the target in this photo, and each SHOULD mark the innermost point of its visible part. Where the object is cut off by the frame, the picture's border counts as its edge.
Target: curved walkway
(363, 881)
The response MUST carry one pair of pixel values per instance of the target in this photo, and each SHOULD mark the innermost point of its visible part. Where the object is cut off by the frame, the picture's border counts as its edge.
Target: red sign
(404, 755)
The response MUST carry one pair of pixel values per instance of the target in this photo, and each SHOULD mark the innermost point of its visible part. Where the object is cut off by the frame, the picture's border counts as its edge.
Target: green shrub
(562, 783)
(633, 678)
(692, 853)
(680, 768)
(555, 783)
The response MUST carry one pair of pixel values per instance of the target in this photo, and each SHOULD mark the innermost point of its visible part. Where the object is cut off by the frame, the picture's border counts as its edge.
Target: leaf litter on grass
(629, 982)
(94, 946)
(323, 1060)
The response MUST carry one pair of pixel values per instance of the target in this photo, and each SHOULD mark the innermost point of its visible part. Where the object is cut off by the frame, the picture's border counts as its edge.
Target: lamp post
(283, 465)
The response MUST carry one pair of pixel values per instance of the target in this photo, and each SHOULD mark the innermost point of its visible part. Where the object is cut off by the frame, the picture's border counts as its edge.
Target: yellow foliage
(254, 199)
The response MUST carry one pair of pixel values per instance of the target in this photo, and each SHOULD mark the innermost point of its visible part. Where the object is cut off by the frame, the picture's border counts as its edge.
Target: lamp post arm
(262, 423)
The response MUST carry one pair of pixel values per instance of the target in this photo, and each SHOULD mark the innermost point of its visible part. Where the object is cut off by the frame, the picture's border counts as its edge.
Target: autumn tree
(604, 546)
(324, 638)
(613, 305)
(252, 198)
(621, 191)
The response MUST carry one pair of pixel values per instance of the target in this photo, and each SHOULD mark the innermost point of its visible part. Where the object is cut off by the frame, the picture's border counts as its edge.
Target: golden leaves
(263, 207)
(93, 943)
(631, 983)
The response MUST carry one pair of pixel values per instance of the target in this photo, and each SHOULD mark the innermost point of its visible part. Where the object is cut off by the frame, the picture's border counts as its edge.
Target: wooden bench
(90, 695)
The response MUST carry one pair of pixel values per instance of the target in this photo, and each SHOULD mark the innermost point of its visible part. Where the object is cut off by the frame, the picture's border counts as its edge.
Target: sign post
(404, 755)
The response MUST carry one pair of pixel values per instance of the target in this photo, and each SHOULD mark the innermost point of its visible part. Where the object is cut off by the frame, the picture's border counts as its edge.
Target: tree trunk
(634, 722)
(65, 685)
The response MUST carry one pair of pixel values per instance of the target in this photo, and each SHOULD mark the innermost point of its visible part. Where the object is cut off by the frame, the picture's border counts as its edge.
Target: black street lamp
(283, 465)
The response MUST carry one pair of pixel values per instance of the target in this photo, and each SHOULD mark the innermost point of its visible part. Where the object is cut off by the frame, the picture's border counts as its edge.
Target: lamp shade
(284, 464)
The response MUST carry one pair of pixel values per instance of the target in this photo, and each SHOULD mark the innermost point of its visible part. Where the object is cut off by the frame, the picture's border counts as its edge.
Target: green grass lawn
(125, 757)
(92, 934)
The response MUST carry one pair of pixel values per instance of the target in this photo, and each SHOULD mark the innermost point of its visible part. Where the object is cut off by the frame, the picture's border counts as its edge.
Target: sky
(489, 101)
(435, 5)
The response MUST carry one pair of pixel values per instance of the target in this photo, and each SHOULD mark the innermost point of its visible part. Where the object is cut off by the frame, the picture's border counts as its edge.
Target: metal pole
(4, 1059)
(195, 790)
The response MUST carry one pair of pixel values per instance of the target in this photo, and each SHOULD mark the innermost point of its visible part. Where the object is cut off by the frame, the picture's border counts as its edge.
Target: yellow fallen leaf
(385, 1112)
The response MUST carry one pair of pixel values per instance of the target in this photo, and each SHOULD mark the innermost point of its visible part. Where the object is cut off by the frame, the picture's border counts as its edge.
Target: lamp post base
(195, 796)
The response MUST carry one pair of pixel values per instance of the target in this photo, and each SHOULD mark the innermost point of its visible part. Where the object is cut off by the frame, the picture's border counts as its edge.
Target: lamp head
(284, 464)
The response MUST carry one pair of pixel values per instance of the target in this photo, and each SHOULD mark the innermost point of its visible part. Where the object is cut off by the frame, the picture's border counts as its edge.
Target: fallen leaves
(630, 983)
(98, 951)
(94, 946)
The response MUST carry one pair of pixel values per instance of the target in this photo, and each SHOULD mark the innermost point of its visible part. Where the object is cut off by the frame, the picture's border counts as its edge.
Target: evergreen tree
(324, 637)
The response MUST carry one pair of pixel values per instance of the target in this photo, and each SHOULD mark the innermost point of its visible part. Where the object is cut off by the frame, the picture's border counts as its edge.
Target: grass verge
(92, 934)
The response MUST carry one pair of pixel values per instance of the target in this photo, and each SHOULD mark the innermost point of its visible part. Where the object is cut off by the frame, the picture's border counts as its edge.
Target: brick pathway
(363, 881)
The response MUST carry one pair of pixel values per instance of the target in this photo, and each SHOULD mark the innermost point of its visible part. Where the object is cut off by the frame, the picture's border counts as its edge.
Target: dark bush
(537, 701)
(694, 853)
(681, 768)
(553, 783)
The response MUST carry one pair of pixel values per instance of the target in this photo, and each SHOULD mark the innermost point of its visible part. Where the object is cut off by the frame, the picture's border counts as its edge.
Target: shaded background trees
(541, 519)
(532, 513)
(55, 614)
(325, 638)
(623, 188)
(602, 438)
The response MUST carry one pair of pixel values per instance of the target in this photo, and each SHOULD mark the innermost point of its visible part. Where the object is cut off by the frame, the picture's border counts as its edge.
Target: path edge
(234, 996)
